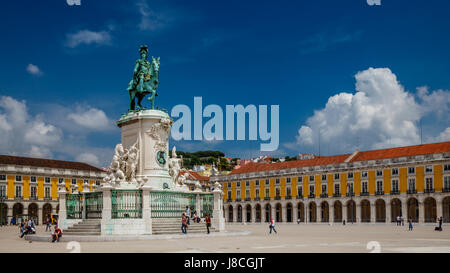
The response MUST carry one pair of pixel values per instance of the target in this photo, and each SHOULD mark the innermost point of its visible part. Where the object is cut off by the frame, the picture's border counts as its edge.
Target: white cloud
(34, 70)
(57, 137)
(88, 37)
(88, 158)
(442, 137)
(152, 20)
(23, 134)
(91, 118)
(380, 114)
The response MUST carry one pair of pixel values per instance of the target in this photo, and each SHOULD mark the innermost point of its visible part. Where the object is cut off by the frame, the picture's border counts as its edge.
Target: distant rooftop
(47, 163)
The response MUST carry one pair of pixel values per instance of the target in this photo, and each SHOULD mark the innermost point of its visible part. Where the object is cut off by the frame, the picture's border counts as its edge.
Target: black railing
(323, 195)
(33, 197)
(247, 199)
(379, 193)
(18, 198)
(311, 196)
(266, 198)
(350, 194)
(257, 198)
(429, 191)
(395, 192)
(288, 197)
(299, 197)
(229, 200)
(277, 197)
(337, 195)
(238, 199)
(364, 194)
(47, 198)
(446, 190)
(411, 191)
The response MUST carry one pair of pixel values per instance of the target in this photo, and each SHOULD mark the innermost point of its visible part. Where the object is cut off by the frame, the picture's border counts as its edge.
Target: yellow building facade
(29, 186)
(372, 186)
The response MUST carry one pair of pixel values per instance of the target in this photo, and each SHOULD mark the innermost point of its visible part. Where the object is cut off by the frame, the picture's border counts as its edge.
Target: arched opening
(301, 211)
(33, 212)
(46, 211)
(430, 210)
(278, 210)
(17, 210)
(4, 214)
(289, 213)
(248, 213)
(380, 211)
(239, 214)
(337, 211)
(312, 212)
(396, 209)
(413, 210)
(365, 211)
(258, 213)
(324, 209)
(446, 209)
(351, 211)
(268, 211)
(230, 214)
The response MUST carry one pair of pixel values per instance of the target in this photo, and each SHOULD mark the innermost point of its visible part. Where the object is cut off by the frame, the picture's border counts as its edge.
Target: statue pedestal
(151, 128)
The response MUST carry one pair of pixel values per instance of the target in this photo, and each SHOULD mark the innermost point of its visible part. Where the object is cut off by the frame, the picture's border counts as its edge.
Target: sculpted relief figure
(124, 165)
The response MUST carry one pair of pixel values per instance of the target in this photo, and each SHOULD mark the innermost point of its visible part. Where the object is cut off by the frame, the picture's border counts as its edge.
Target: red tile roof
(196, 176)
(262, 167)
(424, 149)
(337, 159)
(47, 163)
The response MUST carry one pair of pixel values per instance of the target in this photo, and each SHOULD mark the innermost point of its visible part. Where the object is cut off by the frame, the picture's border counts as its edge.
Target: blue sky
(59, 62)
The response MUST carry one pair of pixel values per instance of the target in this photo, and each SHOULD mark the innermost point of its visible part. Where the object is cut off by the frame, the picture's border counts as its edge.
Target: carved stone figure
(124, 165)
(160, 133)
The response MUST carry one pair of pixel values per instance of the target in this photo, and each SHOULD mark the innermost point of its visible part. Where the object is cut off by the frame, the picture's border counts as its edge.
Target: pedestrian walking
(440, 223)
(208, 222)
(48, 224)
(298, 221)
(410, 225)
(188, 214)
(398, 220)
(272, 226)
(183, 223)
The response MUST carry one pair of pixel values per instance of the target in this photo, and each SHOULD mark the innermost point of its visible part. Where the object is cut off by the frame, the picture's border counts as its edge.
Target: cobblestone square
(291, 238)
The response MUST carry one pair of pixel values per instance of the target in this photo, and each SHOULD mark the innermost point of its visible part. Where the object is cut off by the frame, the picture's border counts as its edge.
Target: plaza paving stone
(294, 238)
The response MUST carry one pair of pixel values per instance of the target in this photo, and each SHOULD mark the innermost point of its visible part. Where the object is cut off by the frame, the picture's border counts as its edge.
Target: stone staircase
(86, 227)
(173, 226)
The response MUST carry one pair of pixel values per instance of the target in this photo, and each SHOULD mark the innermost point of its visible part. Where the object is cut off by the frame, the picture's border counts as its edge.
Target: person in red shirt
(56, 234)
(208, 222)
(183, 223)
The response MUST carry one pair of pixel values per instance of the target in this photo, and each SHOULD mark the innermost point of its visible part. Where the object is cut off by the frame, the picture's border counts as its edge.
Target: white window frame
(426, 183)
(378, 187)
(73, 180)
(49, 191)
(379, 173)
(288, 180)
(16, 191)
(2, 177)
(409, 183)
(427, 168)
(395, 189)
(3, 190)
(394, 173)
(47, 180)
(337, 176)
(364, 187)
(338, 188)
(364, 174)
(33, 179)
(33, 191)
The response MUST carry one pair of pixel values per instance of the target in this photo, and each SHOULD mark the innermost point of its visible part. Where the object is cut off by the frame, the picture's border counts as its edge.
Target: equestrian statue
(145, 80)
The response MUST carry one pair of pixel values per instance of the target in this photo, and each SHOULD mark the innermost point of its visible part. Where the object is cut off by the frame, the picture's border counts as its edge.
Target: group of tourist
(185, 220)
(28, 228)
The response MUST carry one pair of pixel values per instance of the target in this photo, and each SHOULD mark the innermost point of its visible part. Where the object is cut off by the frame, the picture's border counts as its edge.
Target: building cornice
(50, 172)
(342, 167)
